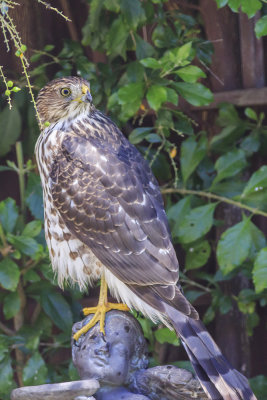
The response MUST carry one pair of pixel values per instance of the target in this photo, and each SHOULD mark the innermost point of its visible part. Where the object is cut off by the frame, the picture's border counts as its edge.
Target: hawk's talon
(99, 311)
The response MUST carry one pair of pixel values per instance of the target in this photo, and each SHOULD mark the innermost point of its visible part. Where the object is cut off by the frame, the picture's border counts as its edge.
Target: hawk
(105, 218)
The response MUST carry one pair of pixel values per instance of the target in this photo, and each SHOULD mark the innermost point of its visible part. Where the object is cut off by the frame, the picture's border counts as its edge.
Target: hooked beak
(87, 97)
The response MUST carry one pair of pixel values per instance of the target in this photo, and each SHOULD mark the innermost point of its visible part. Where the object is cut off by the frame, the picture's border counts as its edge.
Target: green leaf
(9, 274)
(72, 370)
(135, 72)
(221, 3)
(111, 5)
(225, 304)
(228, 115)
(258, 241)
(143, 48)
(196, 94)
(178, 210)
(4, 348)
(26, 245)
(32, 229)
(250, 144)
(192, 152)
(184, 51)
(260, 271)
(4, 168)
(233, 246)
(261, 27)
(34, 196)
(35, 371)
(8, 214)
(197, 223)
(230, 165)
(139, 134)
(57, 308)
(190, 74)
(172, 96)
(259, 386)
(197, 255)
(131, 93)
(93, 18)
(225, 140)
(30, 337)
(165, 335)
(150, 63)
(31, 276)
(11, 305)
(193, 295)
(234, 5)
(116, 38)
(257, 182)
(10, 128)
(49, 47)
(156, 95)
(250, 113)
(6, 376)
(130, 97)
(250, 7)
(133, 13)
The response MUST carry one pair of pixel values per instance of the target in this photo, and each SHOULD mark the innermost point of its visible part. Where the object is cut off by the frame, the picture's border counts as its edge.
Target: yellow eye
(66, 92)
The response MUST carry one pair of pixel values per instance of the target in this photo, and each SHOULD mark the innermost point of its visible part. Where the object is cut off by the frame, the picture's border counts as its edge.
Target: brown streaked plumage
(104, 216)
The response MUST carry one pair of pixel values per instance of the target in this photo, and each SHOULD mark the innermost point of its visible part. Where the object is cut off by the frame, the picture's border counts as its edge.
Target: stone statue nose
(103, 347)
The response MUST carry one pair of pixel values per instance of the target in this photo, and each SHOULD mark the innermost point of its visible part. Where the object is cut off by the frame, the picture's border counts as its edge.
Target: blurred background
(185, 81)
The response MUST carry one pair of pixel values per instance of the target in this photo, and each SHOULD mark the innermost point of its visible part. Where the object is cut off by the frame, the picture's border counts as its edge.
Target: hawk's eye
(65, 92)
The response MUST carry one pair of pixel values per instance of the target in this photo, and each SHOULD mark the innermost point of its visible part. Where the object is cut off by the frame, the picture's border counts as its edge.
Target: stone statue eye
(65, 92)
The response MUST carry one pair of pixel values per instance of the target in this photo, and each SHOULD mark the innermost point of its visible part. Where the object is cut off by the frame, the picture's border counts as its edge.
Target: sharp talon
(99, 312)
(103, 337)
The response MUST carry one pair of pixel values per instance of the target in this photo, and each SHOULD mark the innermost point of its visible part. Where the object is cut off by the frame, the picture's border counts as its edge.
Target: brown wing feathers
(113, 204)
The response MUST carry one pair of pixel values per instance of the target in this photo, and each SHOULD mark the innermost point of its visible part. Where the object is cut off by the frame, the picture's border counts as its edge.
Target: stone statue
(115, 367)
(119, 361)
(112, 359)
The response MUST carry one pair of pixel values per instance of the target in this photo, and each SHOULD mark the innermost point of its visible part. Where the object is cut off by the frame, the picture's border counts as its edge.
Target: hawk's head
(64, 98)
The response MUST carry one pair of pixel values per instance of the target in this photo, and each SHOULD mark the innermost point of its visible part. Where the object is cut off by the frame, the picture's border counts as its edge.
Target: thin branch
(47, 5)
(6, 330)
(213, 196)
(25, 72)
(196, 284)
(5, 82)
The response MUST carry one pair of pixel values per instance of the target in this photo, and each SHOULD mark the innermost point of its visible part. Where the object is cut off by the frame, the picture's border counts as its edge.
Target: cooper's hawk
(104, 217)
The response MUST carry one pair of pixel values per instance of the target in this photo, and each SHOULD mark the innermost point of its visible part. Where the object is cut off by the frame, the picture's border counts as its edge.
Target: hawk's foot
(100, 311)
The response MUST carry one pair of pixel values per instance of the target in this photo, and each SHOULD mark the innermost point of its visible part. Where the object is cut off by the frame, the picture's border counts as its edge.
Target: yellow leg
(100, 310)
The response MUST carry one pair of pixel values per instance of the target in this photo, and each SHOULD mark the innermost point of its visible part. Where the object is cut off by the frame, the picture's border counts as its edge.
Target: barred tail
(219, 379)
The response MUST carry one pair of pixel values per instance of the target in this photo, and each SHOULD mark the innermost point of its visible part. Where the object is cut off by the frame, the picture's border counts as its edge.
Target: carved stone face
(110, 358)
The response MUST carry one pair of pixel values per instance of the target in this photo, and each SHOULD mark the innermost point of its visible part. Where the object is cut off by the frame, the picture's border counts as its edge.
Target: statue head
(113, 358)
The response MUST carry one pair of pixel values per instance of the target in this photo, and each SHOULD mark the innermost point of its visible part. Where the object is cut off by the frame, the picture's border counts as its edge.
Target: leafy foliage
(249, 7)
(146, 73)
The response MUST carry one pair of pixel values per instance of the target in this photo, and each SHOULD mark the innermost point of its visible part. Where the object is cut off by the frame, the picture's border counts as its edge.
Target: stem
(214, 197)
(31, 265)
(25, 72)
(19, 154)
(6, 330)
(5, 82)
(193, 283)
(133, 38)
(18, 322)
(2, 236)
(47, 5)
